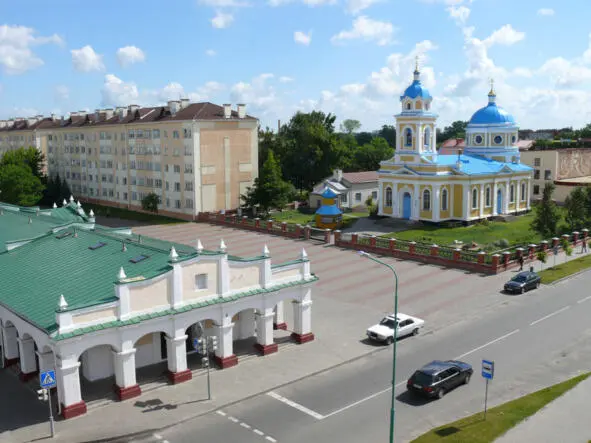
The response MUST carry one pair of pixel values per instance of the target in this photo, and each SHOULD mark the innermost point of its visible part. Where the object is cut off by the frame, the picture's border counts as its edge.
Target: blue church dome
(492, 114)
(416, 89)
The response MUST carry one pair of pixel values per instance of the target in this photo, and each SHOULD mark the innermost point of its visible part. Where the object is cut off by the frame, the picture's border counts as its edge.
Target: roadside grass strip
(474, 429)
(563, 270)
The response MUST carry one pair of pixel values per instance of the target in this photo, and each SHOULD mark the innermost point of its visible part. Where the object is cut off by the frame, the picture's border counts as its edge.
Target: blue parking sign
(488, 369)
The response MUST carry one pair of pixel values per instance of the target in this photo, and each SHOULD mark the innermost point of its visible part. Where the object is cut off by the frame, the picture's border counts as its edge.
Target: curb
(555, 282)
(144, 434)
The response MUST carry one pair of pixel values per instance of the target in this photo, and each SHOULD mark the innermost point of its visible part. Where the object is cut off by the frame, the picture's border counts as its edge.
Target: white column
(125, 381)
(177, 285)
(46, 361)
(302, 315)
(481, 200)
(528, 194)
(395, 201)
(246, 324)
(224, 276)
(414, 213)
(496, 210)
(10, 339)
(436, 194)
(264, 320)
(279, 320)
(506, 197)
(467, 202)
(176, 351)
(68, 388)
(28, 361)
(225, 352)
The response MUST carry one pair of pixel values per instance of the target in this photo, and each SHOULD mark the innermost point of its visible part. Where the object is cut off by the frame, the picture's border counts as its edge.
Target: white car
(384, 330)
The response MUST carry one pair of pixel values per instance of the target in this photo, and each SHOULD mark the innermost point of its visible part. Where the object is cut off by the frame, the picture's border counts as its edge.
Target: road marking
(244, 425)
(295, 405)
(584, 299)
(222, 413)
(234, 419)
(256, 431)
(487, 344)
(271, 439)
(549, 315)
(157, 436)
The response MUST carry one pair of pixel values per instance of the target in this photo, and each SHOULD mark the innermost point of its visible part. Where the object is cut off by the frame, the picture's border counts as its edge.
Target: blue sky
(348, 57)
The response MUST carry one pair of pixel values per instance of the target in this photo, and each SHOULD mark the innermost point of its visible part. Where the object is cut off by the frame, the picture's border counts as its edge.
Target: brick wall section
(257, 225)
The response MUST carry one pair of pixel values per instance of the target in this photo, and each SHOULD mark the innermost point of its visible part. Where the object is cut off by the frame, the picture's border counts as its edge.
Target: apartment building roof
(125, 115)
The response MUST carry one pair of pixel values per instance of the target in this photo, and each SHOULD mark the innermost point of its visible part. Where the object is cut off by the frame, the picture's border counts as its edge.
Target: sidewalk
(565, 420)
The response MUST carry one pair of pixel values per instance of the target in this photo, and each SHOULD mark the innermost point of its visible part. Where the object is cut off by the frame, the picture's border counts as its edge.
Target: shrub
(484, 222)
(503, 243)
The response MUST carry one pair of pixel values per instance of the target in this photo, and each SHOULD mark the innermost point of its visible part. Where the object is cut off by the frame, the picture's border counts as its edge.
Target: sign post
(47, 381)
(205, 346)
(488, 372)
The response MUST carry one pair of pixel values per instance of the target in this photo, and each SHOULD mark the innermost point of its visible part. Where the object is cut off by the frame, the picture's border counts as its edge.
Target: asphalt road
(540, 339)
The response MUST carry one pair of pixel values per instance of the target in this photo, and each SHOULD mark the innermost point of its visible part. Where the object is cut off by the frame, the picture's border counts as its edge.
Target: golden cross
(492, 86)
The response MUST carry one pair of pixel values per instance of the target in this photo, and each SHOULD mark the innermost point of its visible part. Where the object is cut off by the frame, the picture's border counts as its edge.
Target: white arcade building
(96, 303)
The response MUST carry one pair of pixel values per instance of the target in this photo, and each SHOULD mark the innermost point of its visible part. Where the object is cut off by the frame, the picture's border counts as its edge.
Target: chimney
(184, 102)
(227, 110)
(121, 112)
(174, 106)
(53, 117)
(97, 115)
(82, 113)
(73, 114)
(459, 161)
(2, 124)
(133, 108)
(241, 110)
(338, 174)
(31, 121)
(108, 113)
(39, 117)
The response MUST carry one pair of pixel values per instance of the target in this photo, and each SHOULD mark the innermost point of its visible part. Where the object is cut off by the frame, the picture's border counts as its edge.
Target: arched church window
(512, 194)
(474, 198)
(444, 200)
(487, 197)
(427, 136)
(426, 200)
(389, 197)
(408, 106)
(427, 106)
(522, 192)
(478, 139)
(513, 139)
(408, 137)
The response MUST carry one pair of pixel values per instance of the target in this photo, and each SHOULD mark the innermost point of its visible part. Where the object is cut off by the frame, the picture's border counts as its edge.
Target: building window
(177, 186)
(426, 200)
(498, 139)
(177, 169)
(408, 106)
(512, 194)
(344, 198)
(374, 195)
(536, 174)
(478, 139)
(358, 196)
(177, 204)
(537, 161)
(389, 197)
(474, 198)
(189, 203)
(536, 189)
(427, 136)
(487, 197)
(513, 139)
(547, 174)
(444, 200)
(200, 282)
(408, 137)
(522, 192)
(175, 134)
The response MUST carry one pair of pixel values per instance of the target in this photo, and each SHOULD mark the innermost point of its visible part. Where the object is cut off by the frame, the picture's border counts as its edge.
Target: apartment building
(196, 156)
(566, 168)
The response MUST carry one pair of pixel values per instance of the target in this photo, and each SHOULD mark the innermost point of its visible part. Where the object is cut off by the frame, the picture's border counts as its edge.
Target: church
(485, 180)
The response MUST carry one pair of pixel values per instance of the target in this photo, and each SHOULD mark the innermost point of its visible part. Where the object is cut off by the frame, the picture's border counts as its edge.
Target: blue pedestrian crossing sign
(47, 379)
(488, 369)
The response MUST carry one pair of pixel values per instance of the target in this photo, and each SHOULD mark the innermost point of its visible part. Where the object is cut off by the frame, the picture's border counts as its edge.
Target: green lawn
(126, 214)
(356, 214)
(292, 216)
(562, 270)
(517, 231)
(500, 419)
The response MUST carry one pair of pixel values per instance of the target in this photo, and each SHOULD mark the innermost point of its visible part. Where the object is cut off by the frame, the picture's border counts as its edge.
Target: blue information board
(488, 369)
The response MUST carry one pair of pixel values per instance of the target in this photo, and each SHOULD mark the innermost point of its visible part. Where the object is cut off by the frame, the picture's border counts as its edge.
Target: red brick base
(26, 377)
(179, 377)
(266, 349)
(302, 338)
(10, 362)
(226, 362)
(280, 326)
(127, 393)
(74, 410)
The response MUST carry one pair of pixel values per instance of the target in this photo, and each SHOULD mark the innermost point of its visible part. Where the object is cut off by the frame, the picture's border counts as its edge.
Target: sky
(352, 58)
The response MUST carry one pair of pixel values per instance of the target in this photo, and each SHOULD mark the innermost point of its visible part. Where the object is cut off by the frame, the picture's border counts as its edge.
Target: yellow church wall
(447, 213)
(388, 209)
(458, 201)
(487, 211)
(499, 159)
(406, 158)
(475, 212)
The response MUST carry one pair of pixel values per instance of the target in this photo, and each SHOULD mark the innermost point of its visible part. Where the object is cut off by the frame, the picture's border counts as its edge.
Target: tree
(150, 202)
(19, 186)
(267, 141)
(369, 156)
(547, 215)
(567, 248)
(456, 130)
(65, 191)
(576, 211)
(388, 132)
(30, 157)
(542, 256)
(269, 190)
(350, 126)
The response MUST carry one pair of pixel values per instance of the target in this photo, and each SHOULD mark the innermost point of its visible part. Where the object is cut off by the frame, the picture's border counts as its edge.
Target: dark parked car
(438, 377)
(524, 281)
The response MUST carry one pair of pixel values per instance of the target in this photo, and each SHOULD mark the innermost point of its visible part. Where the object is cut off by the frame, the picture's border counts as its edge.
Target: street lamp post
(392, 407)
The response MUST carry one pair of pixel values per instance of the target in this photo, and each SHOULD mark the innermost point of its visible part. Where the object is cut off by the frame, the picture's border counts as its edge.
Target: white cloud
(172, 91)
(285, 79)
(260, 97)
(356, 6)
(505, 35)
(546, 11)
(86, 60)
(459, 13)
(564, 73)
(62, 93)
(206, 92)
(129, 55)
(310, 3)
(116, 92)
(222, 20)
(302, 38)
(365, 28)
(16, 54)
(224, 3)
(210, 52)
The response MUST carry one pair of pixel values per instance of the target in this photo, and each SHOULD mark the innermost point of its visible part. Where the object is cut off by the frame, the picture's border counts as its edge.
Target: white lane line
(584, 299)
(234, 419)
(157, 436)
(244, 425)
(257, 432)
(549, 315)
(222, 413)
(369, 397)
(487, 344)
(295, 405)
(271, 439)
